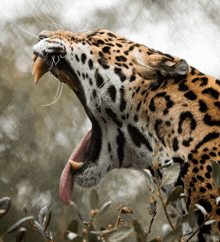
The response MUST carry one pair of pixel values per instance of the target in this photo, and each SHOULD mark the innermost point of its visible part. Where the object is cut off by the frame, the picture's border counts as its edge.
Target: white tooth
(40, 68)
(75, 164)
(34, 58)
(39, 63)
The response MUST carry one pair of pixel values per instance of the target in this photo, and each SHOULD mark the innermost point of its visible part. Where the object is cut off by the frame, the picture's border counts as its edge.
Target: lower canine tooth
(75, 164)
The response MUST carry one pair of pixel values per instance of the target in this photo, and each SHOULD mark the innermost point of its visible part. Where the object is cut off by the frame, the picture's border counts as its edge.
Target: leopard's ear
(173, 67)
(166, 64)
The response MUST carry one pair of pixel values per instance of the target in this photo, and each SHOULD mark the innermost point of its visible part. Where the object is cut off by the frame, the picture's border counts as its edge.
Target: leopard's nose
(44, 34)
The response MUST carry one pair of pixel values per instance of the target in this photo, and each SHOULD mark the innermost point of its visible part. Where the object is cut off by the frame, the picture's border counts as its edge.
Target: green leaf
(156, 240)
(78, 239)
(121, 233)
(201, 208)
(47, 219)
(93, 199)
(209, 222)
(166, 165)
(104, 208)
(171, 174)
(182, 219)
(139, 230)
(40, 229)
(215, 173)
(217, 200)
(78, 212)
(175, 194)
(74, 237)
(102, 231)
(150, 180)
(20, 235)
(42, 214)
(71, 236)
(91, 237)
(73, 226)
(18, 224)
(5, 204)
(183, 195)
(153, 206)
(48, 234)
(44, 218)
(175, 234)
(192, 221)
(65, 235)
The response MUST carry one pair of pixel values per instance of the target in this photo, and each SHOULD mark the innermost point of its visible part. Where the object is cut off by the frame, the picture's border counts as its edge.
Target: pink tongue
(66, 180)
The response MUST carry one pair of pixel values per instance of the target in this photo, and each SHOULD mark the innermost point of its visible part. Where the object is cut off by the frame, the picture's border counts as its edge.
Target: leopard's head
(111, 76)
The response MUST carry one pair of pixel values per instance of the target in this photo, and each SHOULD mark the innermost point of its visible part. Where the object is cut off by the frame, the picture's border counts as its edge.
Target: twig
(86, 225)
(93, 212)
(160, 196)
(151, 223)
(119, 216)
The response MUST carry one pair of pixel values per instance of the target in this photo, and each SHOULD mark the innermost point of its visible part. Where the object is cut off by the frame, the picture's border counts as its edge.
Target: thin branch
(119, 216)
(160, 195)
(151, 223)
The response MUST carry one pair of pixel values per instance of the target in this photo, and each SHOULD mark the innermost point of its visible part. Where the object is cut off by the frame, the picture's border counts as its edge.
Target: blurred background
(37, 140)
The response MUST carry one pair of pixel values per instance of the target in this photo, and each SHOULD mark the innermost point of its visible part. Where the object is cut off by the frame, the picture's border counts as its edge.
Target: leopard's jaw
(106, 130)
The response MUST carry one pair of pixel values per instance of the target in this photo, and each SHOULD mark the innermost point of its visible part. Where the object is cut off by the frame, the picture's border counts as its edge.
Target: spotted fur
(136, 96)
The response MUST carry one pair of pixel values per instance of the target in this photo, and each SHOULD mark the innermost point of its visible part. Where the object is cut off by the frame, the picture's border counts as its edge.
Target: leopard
(135, 98)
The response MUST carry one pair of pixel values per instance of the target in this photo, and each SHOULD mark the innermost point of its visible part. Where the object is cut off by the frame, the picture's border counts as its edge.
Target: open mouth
(74, 165)
(41, 67)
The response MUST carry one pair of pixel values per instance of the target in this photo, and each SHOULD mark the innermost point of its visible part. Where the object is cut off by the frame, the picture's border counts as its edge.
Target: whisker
(53, 61)
(55, 24)
(51, 77)
(100, 96)
(26, 31)
(40, 22)
(61, 90)
(100, 103)
(105, 82)
(58, 89)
